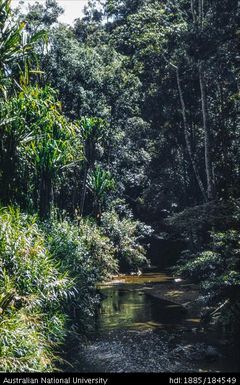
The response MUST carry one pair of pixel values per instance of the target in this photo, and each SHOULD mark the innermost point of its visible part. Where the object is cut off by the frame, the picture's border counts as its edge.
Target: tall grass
(48, 276)
(32, 294)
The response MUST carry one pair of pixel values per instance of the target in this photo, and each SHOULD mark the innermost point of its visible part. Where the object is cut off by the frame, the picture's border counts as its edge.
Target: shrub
(218, 272)
(86, 254)
(201, 266)
(125, 234)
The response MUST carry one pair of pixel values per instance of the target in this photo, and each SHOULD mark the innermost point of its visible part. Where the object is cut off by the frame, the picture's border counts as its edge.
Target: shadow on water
(133, 309)
(128, 305)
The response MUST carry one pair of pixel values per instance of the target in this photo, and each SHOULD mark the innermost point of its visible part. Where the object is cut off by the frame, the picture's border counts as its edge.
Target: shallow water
(136, 332)
(127, 305)
(135, 279)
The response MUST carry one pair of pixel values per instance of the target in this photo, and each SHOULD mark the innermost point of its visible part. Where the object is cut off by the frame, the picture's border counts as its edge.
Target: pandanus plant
(16, 52)
(93, 131)
(42, 139)
(99, 182)
(51, 144)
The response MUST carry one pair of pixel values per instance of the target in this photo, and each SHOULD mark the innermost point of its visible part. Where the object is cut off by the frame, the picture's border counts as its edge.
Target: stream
(136, 331)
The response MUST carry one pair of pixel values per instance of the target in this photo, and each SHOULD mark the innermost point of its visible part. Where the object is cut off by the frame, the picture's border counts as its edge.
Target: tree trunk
(193, 11)
(84, 189)
(97, 210)
(200, 13)
(186, 135)
(45, 196)
(8, 170)
(207, 144)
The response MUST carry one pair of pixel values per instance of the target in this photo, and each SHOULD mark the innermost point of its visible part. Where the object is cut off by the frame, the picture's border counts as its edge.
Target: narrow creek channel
(136, 331)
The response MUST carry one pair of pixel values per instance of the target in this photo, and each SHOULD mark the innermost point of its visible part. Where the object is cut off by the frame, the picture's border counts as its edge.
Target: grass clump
(32, 293)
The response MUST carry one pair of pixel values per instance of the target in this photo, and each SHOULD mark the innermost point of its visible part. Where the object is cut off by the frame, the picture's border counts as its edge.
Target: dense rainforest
(118, 135)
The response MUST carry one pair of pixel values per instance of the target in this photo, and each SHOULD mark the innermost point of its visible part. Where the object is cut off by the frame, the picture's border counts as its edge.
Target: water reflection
(133, 309)
(136, 332)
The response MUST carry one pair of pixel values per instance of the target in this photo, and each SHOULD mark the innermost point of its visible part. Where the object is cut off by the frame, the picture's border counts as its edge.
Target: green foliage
(51, 142)
(123, 74)
(84, 250)
(42, 15)
(222, 212)
(24, 347)
(16, 48)
(32, 293)
(92, 129)
(217, 270)
(27, 261)
(100, 182)
(217, 262)
(202, 266)
(10, 47)
(125, 234)
(93, 133)
(39, 141)
(49, 272)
